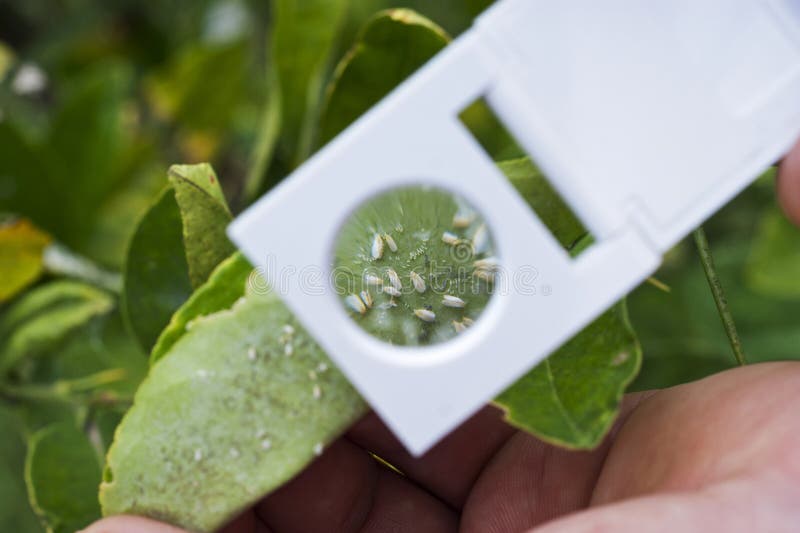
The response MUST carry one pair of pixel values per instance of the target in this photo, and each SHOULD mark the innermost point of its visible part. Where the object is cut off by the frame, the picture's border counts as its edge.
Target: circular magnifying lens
(415, 266)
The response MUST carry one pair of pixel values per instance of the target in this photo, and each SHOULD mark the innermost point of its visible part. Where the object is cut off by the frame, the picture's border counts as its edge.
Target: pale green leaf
(271, 414)
(205, 215)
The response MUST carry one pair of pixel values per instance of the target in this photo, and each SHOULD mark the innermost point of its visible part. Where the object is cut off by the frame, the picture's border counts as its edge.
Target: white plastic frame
(414, 136)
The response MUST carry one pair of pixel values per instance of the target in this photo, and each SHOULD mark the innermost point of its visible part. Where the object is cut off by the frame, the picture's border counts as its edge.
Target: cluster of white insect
(378, 241)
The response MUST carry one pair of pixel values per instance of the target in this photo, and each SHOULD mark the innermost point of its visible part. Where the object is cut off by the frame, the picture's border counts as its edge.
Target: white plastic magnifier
(646, 116)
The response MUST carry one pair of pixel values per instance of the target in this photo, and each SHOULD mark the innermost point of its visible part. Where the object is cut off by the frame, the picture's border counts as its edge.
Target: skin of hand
(720, 454)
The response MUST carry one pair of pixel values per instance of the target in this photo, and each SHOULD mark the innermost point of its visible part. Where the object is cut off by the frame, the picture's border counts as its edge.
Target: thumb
(789, 184)
(130, 524)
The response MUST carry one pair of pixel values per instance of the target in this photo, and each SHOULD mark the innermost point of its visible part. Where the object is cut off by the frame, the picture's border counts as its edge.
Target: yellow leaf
(21, 251)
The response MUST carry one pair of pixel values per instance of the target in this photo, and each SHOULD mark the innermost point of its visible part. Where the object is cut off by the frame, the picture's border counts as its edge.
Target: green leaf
(21, 249)
(176, 245)
(156, 278)
(394, 43)
(271, 413)
(205, 216)
(199, 86)
(304, 34)
(571, 398)
(224, 287)
(773, 268)
(62, 472)
(43, 318)
(15, 513)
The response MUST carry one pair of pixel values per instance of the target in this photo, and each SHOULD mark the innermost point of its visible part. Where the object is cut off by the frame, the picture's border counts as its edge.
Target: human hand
(789, 185)
(719, 454)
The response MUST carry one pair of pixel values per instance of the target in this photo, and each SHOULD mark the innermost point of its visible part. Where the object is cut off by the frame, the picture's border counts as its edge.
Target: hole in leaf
(524, 174)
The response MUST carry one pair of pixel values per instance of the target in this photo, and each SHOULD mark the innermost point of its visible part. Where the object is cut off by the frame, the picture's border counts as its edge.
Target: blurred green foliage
(98, 98)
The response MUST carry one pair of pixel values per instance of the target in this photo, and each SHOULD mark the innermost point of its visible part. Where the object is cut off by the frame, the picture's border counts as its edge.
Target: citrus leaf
(156, 279)
(21, 263)
(43, 318)
(62, 472)
(395, 43)
(205, 215)
(224, 287)
(200, 85)
(571, 398)
(773, 268)
(15, 512)
(272, 413)
(303, 37)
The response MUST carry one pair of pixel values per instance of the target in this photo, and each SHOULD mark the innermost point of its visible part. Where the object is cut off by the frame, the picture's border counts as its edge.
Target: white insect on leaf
(198, 455)
(288, 350)
(463, 218)
(417, 282)
(318, 447)
(391, 291)
(355, 303)
(480, 241)
(453, 301)
(266, 444)
(377, 246)
(316, 392)
(374, 281)
(252, 354)
(449, 238)
(390, 241)
(366, 297)
(426, 315)
(491, 264)
(394, 279)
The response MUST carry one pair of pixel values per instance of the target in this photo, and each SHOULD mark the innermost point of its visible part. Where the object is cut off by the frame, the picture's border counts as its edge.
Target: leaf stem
(60, 260)
(701, 241)
(67, 390)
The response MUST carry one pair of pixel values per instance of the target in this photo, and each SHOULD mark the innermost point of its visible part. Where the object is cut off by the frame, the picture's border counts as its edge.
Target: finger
(450, 468)
(789, 185)
(130, 524)
(345, 491)
(767, 503)
(529, 482)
